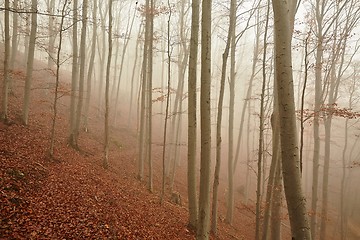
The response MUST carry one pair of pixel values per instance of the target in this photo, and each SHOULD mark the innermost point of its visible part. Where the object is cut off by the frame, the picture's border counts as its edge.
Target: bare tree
(283, 23)
(205, 125)
(230, 39)
(57, 80)
(107, 81)
(5, 90)
(192, 123)
(30, 62)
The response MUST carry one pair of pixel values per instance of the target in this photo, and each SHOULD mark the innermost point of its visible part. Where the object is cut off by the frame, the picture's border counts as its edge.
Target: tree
(14, 39)
(205, 124)
(283, 24)
(106, 142)
(230, 39)
(57, 81)
(30, 62)
(4, 114)
(79, 108)
(261, 129)
(230, 196)
(51, 32)
(191, 171)
(91, 65)
(125, 45)
(74, 74)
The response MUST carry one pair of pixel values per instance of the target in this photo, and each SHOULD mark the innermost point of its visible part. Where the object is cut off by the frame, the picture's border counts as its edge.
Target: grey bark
(5, 90)
(230, 41)
(91, 66)
(205, 155)
(80, 102)
(296, 202)
(107, 83)
(57, 81)
(30, 63)
(74, 73)
(192, 122)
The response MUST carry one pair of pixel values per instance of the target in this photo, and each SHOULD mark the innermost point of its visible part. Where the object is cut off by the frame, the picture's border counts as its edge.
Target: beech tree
(57, 79)
(5, 90)
(74, 73)
(30, 62)
(107, 84)
(79, 107)
(230, 39)
(192, 123)
(14, 37)
(205, 125)
(283, 26)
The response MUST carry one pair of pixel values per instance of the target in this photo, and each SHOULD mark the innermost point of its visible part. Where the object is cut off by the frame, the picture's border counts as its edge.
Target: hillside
(72, 196)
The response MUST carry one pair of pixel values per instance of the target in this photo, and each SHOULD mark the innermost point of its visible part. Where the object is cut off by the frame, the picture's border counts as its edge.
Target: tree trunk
(143, 139)
(230, 41)
(14, 40)
(58, 64)
(52, 34)
(230, 196)
(261, 130)
(74, 73)
(91, 66)
(107, 81)
(133, 75)
(192, 123)
(30, 62)
(283, 24)
(4, 114)
(205, 123)
(82, 73)
(149, 103)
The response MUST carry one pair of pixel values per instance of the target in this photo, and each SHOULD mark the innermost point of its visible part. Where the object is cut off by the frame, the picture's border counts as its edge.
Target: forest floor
(71, 196)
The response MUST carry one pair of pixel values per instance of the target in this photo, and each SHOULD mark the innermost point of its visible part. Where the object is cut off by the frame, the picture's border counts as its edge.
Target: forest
(180, 119)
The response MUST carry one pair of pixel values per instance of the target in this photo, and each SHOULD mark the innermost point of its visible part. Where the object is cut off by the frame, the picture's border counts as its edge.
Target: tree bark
(205, 155)
(30, 62)
(284, 13)
(192, 122)
(107, 83)
(4, 114)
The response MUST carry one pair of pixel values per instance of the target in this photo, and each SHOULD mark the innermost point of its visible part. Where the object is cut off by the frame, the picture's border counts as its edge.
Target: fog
(127, 55)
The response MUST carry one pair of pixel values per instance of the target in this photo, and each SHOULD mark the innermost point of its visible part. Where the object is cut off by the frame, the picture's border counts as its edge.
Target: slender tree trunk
(261, 130)
(74, 73)
(51, 33)
(150, 79)
(231, 171)
(205, 155)
(27, 36)
(91, 66)
(30, 63)
(107, 83)
(133, 75)
(317, 104)
(58, 64)
(14, 41)
(143, 105)
(167, 106)
(229, 41)
(192, 122)
(126, 42)
(82, 73)
(4, 113)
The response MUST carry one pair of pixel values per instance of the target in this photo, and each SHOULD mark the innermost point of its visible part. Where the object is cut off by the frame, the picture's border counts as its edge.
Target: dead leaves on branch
(327, 110)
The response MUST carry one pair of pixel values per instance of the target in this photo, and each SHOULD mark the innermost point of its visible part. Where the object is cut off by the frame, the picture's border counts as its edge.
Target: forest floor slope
(71, 196)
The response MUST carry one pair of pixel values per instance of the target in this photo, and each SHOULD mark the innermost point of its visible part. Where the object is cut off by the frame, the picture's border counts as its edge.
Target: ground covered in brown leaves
(72, 196)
